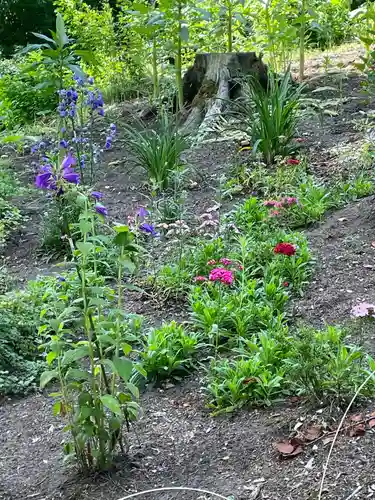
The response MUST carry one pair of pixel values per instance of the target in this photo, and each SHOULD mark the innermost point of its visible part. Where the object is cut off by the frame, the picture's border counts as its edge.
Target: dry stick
(344, 429)
(352, 495)
(338, 431)
(173, 488)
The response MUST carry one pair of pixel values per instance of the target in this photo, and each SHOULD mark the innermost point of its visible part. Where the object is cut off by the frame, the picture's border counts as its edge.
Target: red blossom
(285, 249)
(286, 283)
(269, 203)
(300, 139)
(292, 161)
(240, 268)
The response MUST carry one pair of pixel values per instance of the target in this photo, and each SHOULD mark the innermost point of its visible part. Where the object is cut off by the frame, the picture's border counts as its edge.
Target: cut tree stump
(210, 84)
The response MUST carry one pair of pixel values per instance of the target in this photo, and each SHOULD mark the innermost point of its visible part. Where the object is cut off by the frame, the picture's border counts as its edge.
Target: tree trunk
(211, 83)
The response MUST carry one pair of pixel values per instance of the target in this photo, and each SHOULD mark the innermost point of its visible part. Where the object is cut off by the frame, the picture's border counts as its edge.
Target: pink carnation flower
(225, 261)
(222, 275)
(200, 279)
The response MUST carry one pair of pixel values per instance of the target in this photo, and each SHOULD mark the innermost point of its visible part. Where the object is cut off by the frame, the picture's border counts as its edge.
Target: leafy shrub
(10, 218)
(157, 151)
(321, 365)
(168, 352)
(271, 116)
(274, 364)
(23, 97)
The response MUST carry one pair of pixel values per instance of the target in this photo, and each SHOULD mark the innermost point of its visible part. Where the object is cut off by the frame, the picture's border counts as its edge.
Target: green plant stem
(179, 59)
(155, 75)
(302, 42)
(230, 26)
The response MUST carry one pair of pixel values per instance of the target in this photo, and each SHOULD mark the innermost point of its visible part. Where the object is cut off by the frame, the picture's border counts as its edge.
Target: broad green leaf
(111, 403)
(126, 348)
(75, 355)
(76, 70)
(47, 376)
(84, 248)
(56, 408)
(133, 389)
(50, 357)
(61, 35)
(44, 37)
(85, 226)
(121, 228)
(123, 367)
(78, 375)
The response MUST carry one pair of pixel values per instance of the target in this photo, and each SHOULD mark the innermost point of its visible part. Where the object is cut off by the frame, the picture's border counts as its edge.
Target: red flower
(240, 268)
(211, 262)
(285, 249)
(286, 283)
(292, 161)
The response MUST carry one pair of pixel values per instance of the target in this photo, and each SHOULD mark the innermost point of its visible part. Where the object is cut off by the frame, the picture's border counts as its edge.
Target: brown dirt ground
(177, 442)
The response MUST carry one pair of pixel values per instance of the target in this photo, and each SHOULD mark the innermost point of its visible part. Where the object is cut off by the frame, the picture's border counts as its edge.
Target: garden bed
(177, 442)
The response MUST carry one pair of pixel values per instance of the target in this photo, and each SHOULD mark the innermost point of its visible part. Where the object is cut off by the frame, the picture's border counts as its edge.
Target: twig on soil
(371, 375)
(173, 488)
(352, 495)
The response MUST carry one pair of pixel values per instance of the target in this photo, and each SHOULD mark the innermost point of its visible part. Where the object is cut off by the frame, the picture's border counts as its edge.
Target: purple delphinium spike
(68, 161)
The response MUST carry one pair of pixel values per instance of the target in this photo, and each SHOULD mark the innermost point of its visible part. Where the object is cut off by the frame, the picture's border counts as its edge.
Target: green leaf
(133, 389)
(50, 357)
(84, 248)
(61, 36)
(44, 37)
(126, 348)
(124, 367)
(121, 228)
(111, 403)
(85, 226)
(47, 376)
(78, 375)
(56, 408)
(75, 355)
(76, 70)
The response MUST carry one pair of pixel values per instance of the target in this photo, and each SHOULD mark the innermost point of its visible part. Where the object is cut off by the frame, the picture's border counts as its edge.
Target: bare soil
(177, 442)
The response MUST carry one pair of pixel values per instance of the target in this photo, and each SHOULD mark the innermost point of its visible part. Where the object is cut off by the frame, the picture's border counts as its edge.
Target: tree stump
(212, 81)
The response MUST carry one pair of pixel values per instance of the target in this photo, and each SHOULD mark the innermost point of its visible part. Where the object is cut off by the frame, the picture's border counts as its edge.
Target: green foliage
(23, 96)
(95, 372)
(271, 116)
(10, 219)
(157, 151)
(322, 366)
(273, 364)
(168, 352)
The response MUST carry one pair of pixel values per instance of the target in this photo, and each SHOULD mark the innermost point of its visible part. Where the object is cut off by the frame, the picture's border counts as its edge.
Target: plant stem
(302, 42)
(155, 68)
(179, 60)
(230, 26)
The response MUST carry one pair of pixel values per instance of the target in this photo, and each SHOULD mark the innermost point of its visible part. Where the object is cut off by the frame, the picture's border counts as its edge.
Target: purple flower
(68, 161)
(45, 180)
(97, 195)
(91, 80)
(142, 213)
(63, 114)
(149, 229)
(113, 127)
(70, 176)
(63, 143)
(108, 143)
(60, 278)
(101, 111)
(101, 210)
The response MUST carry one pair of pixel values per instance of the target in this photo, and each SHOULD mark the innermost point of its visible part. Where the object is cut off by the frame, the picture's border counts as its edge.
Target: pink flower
(222, 275)
(291, 200)
(240, 268)
(211, 262)
(292, 161)
(286, 283)
(225, 261)
(300, 139)
(278, 204)
(274, 213)
(270, 203)
(200, 279)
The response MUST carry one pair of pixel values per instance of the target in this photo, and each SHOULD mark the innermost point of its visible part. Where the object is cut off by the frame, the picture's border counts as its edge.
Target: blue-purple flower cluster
(50, 179)
(95, 101)
(110, 136)
(68, 103)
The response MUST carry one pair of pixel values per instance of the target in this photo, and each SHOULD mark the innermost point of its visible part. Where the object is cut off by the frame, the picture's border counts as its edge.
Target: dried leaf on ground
(314, 432)
(288, 449)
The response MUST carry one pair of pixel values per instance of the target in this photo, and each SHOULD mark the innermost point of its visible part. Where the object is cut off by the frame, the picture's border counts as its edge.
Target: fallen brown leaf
(285, 447)
(312, 433)
(328, 440)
